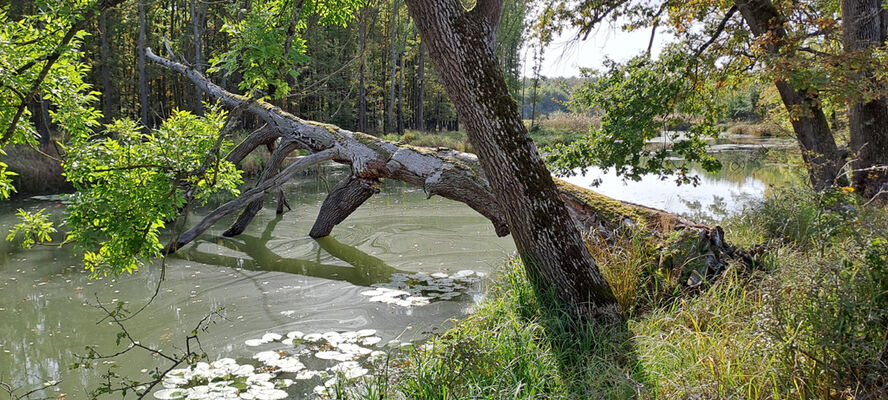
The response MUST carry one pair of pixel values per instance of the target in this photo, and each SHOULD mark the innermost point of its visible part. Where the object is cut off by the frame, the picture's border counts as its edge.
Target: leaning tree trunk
(451, 174)
(864, 30)
(462, 45)
(822, 157)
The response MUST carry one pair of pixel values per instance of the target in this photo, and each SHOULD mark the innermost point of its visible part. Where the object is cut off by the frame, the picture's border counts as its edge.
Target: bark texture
(198, 56)
(343, 200)
(143, 74)
(557, 261)
(819, 150)
(864, 29)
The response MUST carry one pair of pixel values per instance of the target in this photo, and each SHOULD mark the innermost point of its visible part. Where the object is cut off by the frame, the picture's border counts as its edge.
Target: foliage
(636, 101)
(34, 228)
(131, 184)
(38, 60)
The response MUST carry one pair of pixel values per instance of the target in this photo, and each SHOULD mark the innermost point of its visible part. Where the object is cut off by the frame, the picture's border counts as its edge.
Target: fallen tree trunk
(444, 172)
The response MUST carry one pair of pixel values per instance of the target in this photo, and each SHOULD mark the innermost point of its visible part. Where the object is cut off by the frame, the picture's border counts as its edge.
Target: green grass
(809, 322)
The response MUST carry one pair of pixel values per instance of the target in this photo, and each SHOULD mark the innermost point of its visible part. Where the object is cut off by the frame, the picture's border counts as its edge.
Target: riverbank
(809, 322)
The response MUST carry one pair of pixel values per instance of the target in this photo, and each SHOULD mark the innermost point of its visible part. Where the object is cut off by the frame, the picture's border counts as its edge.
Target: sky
(566, 55)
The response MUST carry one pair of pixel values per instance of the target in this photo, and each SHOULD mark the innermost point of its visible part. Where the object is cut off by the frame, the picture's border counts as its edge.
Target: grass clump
(810, 322)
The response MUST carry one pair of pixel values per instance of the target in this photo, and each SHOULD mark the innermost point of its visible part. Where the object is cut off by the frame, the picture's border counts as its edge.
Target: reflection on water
(274, 278)
(744, 175)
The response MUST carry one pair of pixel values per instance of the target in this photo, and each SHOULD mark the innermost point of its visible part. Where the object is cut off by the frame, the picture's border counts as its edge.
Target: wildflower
(847, 189)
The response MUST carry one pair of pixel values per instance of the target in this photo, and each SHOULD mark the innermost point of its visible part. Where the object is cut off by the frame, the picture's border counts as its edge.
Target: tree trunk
(392, 30)
(399, 93)
(143, 74)
(462, 45)
(198, 56)
(864, 30)
(40, 119)
(362, 90)
(342, 201)
(420, 92)
(106, 67)
(822, 157)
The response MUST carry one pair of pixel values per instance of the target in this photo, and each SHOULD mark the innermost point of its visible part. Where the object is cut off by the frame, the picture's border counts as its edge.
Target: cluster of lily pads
(352, 352)
(222, 379)
(419, 289)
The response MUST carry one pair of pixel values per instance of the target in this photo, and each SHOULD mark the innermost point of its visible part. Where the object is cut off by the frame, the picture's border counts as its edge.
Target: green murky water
(274, 278)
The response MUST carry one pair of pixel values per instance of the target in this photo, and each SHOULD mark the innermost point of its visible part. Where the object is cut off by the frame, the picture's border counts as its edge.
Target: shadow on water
(364, 269)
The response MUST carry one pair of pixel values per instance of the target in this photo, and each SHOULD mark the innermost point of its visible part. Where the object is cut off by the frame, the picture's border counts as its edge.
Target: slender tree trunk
(198, 56)
(40, 119)
(362, 90)
(143, 74)
(420, 92)
(106, 67)
(822, 157)
(400, 89)
(393, 31)
(462, 45)
(864, 30)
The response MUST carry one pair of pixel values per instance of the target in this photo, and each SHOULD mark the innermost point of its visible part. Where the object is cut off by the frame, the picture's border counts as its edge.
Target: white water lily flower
(243, 370)
(167, 394)
(333, 355)
(312, 337)
(174, 380)
(439, 275)
(349, 369)
(284, 383)
(254, 342)
(259, 379)
(267, 356)
(289, 364)
(370, 341)
(270, 337)
(266, 394)
(306, 374)
(295, 335)
(351, 348)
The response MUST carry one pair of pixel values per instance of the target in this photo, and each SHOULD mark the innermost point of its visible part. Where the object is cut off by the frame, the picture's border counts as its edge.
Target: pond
(400, 268)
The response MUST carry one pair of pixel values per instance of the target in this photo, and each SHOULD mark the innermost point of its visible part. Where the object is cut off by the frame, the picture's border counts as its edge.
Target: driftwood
(444, 172)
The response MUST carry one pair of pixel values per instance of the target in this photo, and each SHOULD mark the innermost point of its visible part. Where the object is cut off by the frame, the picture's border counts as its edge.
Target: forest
(386, 199)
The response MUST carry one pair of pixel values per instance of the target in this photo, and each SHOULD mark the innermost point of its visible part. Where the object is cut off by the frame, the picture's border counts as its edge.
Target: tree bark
(822, 157)
(198, 56)
(420, 91)
(393, 31)
(557, 261)
(864, 30)
(143, 75)
(278, 156)
(343, 200)
(106, 67)
(362, 90)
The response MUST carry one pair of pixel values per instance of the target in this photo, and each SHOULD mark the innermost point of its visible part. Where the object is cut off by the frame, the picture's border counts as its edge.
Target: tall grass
(810, 322)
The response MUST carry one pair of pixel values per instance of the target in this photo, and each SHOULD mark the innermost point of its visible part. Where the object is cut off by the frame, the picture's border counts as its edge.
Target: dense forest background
(371, 75)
